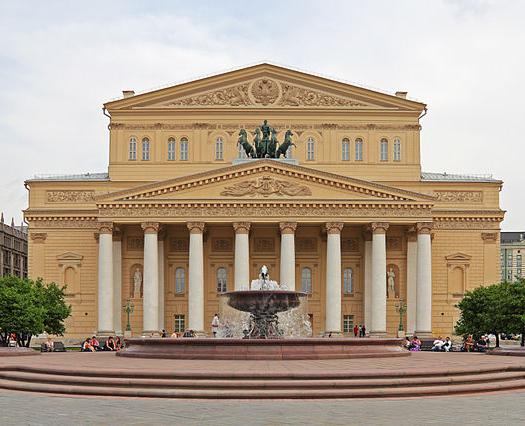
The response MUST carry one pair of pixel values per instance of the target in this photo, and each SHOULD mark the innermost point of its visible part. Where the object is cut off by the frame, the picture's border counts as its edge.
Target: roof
(512, 237)
(451, 177)
(77, 177)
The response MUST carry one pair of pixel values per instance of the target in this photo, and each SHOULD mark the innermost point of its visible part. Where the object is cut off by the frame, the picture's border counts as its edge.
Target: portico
(217, 250)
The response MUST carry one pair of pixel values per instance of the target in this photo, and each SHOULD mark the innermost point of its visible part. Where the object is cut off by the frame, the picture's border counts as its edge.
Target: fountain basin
(270, 302)
(263, 349)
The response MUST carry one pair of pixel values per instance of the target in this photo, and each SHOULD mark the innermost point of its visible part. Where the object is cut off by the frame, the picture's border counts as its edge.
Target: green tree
(498, 308)
(28, 308)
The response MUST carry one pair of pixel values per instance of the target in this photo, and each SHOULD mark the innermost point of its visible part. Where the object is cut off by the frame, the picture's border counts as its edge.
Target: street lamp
(128, 308)
(401, 307)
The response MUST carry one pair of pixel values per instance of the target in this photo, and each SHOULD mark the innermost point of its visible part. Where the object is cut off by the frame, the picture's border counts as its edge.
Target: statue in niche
(391, 281)
(137, 283)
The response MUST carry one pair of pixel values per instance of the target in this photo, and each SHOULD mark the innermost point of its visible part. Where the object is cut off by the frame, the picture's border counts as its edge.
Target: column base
(105, 333)
(377, 334)
(423, 334)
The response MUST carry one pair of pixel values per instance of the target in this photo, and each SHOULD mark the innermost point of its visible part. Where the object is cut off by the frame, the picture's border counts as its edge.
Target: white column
(287, 268)
(411, 282)
(151, 279)
(424, 281)
(368, 280)
(196, 278)
(333, 278)
(242, 256)
(161, 283)
(117, 282)
(105, 279)
(378, 325)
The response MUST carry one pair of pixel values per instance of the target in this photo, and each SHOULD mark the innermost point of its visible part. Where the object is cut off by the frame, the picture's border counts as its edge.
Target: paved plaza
(37, 409)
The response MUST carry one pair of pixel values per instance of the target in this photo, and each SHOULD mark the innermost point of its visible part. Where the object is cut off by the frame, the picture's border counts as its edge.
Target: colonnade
(419, 276)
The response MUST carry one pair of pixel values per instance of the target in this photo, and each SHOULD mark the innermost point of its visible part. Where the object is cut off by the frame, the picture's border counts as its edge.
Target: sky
(61, 60)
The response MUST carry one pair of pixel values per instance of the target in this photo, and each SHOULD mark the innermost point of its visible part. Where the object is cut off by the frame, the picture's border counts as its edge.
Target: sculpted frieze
(465, 225)
(459, 196)
(70, 196)
(230, 96)
(299, 96)
(266, 186)
(339, 210)
(67, 223)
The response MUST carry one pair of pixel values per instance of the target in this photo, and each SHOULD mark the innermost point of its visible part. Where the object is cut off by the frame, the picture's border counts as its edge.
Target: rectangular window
(310, 149)
(180, 323)
(345, 150)
(358, 150)
(348, 323)
(518, 261)
(171, 150)
(219, 149)
(184, 150)
(397, 150)
(509, 260)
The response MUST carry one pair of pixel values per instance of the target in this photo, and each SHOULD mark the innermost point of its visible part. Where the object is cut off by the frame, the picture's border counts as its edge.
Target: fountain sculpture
(264, 301)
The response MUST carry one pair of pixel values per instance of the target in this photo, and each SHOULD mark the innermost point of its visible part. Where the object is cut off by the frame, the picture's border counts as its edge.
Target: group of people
(472, 345)
(441, 345)
(359, 330)
(413, 344)
(92, 344)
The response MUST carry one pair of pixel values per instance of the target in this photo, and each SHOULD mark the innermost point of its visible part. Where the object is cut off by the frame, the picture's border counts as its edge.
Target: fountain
(263, 322)
(263, 302)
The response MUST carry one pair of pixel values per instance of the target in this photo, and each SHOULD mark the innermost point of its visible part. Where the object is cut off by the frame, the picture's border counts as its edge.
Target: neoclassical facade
(182, 216)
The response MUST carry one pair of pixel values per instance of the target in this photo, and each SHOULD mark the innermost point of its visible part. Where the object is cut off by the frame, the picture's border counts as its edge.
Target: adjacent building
(511, 258)
(182, 215)
(13, 246)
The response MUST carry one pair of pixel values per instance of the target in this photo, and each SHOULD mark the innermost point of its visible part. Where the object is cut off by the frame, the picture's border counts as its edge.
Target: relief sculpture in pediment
(266, 186)
(232, 96)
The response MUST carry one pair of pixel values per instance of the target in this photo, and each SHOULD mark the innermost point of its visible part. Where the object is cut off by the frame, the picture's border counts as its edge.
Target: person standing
(360, 330)
(363, 331)
(215, 325)
(356, 330)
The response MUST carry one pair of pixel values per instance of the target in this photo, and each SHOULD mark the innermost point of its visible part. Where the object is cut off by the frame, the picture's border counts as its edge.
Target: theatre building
(182, 215)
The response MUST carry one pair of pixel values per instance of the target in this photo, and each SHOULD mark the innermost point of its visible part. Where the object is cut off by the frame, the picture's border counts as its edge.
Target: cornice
(265, 165)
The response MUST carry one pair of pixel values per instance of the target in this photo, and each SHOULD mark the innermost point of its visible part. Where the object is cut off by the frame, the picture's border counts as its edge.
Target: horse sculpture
(283, 148)
(247, 146)
(272, 146)
(258, 143)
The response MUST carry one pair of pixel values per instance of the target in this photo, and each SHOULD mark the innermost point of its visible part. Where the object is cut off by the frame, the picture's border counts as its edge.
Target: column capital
(334, 227)
(38, 237)
(150, 227)
(117, 234)
(424, 227)
(379, 227)
(241, 227)
(288, 227)
(105, 228)
(196, 227)
(412, 234)
(367, 233)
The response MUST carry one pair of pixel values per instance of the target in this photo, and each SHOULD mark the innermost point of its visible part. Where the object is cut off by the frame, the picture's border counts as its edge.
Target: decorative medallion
(266, 186)
(264, 91)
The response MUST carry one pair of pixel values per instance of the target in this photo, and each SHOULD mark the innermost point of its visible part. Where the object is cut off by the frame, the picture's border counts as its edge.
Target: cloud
(60, 61)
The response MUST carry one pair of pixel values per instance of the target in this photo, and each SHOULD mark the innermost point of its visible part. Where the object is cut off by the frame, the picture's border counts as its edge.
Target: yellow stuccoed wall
(63, 213)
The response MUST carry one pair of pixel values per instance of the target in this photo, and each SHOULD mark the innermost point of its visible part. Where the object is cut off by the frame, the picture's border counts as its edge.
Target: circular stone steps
(259, 385)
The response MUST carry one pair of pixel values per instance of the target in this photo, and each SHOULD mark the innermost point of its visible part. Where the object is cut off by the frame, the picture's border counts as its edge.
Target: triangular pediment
(265, 86)
(69, 256)
(264, 179)
(458, 256)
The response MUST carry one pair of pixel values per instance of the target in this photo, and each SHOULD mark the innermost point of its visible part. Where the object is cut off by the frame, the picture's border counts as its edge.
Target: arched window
(222, 280)
(348, 281)
(219, 149)
(171, 149)
(345, 149)
(306, 280)
(184, 149)
(310, 149)
(359, 149)
(145, 149)
(397, 149)
(384, 149)
(180, 281)
(132, 149)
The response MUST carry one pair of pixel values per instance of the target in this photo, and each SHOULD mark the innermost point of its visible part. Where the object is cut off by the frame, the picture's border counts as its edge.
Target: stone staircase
(260, 385)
